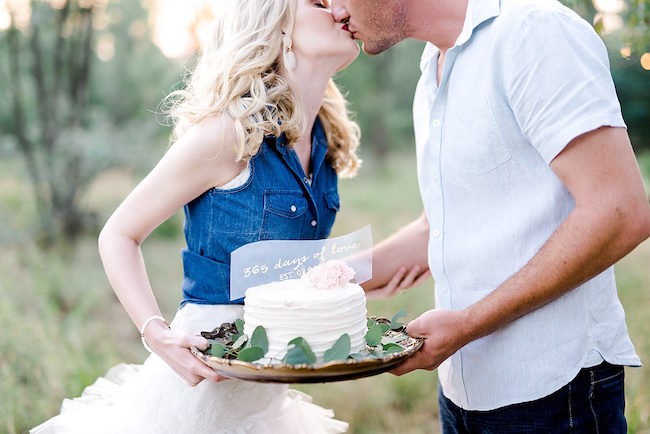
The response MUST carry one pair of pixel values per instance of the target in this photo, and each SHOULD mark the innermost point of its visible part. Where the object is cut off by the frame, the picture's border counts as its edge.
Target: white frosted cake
(320, 307)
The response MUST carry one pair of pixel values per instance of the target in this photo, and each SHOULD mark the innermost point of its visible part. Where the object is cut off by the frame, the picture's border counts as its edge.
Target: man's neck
(437, 21)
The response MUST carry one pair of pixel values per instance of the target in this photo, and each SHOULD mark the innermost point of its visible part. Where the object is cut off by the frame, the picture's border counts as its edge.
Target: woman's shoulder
(213, 131)
(210, 148)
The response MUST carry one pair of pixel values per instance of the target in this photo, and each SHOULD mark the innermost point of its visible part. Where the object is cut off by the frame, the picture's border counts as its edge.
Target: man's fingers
(417, 328)
(408, 366)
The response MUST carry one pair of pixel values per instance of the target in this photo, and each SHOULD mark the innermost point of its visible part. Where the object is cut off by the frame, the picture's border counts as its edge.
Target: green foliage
(250, 354)
(299, 353)
(394, 323)
(217, 349)
(340, 350)
(259, 339)
(373, 336)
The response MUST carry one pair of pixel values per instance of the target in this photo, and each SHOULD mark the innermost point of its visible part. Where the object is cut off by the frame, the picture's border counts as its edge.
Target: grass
(62, 326)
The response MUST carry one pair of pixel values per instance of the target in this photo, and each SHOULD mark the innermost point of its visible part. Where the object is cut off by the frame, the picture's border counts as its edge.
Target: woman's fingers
(424, 276)
(407, 282)
(188, 341)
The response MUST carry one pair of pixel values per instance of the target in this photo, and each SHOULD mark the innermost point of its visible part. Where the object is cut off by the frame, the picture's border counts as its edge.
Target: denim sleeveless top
(277, 202)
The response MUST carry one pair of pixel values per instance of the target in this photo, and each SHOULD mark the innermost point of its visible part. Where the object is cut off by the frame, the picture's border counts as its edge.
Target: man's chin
(372, 48)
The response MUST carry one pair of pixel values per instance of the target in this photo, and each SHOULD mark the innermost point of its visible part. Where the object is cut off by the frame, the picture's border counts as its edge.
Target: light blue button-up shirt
(524, 78)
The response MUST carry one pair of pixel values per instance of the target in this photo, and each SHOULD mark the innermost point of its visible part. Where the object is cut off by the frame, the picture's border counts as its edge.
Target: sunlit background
(178, 27)
(81, 123)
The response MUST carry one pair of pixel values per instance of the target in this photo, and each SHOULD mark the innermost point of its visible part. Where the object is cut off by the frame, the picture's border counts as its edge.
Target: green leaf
(384, 327)
(239, 323)
(394, 324)
(239, 342)
(217, 349)
(250, 354)
(373, 337)
(259, 339)
(358, 356)
(393, 348)
(340, 350)
(300, 353)
(234, 337)
(371, 322)
(394, 339)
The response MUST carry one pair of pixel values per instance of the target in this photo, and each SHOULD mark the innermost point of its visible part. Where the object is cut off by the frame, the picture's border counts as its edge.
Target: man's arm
(611, 217)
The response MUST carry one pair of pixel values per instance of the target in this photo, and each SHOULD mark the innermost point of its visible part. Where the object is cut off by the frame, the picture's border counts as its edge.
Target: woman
(261, 133)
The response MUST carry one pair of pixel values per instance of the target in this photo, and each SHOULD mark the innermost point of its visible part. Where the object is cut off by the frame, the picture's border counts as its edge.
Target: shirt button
(313, 223)
(436, 123)
(435, 233)
(293, 208)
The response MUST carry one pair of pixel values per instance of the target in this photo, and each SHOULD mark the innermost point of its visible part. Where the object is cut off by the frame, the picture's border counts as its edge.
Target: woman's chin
(351, 58)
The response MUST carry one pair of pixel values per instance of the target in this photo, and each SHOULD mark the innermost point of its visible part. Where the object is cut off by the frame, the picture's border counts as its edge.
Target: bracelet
(144, 325)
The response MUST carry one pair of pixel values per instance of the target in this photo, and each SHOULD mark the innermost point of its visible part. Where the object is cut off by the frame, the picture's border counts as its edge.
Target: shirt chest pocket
(472, 140)
(286, 212)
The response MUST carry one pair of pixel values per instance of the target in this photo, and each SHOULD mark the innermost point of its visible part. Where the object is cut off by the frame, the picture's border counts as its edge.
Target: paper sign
(275, 260)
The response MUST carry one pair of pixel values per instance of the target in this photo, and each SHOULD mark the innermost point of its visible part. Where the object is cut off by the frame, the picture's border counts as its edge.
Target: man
(531, 193)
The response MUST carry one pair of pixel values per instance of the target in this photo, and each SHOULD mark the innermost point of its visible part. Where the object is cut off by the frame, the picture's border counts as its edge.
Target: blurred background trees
(81, 79)
(80, 124)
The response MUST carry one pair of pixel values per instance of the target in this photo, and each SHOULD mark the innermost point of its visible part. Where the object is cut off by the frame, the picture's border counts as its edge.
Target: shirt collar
(478, 11)
(319, 146)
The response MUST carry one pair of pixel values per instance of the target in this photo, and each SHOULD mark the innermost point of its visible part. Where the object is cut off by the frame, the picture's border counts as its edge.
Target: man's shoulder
(516, 14)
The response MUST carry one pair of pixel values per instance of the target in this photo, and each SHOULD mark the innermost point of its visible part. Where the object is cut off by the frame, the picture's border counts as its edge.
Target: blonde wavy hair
(238, 74)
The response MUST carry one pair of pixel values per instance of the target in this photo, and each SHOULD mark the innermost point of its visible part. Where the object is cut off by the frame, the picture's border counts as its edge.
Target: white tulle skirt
(152, 398)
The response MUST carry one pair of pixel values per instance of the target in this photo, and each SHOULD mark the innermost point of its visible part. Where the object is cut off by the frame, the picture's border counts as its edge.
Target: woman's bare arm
(202, 158)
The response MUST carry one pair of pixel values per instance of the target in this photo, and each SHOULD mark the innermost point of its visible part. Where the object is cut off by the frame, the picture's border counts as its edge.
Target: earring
(289, 57)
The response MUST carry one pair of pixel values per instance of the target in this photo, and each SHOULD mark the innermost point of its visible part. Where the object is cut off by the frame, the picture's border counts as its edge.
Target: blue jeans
(592, 403)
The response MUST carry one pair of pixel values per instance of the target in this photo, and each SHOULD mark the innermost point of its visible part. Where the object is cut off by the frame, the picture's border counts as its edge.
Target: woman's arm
(203, 158)
(400, 261)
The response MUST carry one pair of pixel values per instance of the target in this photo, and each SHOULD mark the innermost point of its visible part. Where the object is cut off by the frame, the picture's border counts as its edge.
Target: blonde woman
(261, 133)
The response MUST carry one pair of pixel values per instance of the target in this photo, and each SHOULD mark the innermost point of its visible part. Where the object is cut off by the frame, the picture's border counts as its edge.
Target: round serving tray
(317, 373)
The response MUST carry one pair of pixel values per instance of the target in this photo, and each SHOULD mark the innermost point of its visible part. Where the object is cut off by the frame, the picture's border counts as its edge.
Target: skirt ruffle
(152, 398)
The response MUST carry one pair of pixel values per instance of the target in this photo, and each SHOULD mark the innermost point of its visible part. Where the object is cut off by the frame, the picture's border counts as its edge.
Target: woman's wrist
(153, 330)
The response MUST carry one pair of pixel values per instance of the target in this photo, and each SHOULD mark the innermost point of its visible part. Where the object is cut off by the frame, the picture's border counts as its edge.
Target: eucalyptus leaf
(239, 323)
(259, 339)
(340, 350)
(234, 337)
(393, 340)
(371, 322)
(250, 354)
(294, 356)
(217, 349)
(377, 353)
(393, 348)
(239, 342)
(373, 337)
(384, 327)
(358, 356)
(394, 324)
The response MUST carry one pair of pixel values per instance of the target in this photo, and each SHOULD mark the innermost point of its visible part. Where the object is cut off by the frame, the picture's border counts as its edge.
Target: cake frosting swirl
(320, 307)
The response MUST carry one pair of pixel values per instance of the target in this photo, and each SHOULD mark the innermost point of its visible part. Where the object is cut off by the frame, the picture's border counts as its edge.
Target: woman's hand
(173, 348)
(401, 281)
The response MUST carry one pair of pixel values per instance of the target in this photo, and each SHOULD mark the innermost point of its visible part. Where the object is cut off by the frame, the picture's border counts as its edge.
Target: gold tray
(341, 370)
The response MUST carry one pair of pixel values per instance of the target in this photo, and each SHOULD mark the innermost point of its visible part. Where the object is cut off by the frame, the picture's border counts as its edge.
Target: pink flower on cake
(331, 274)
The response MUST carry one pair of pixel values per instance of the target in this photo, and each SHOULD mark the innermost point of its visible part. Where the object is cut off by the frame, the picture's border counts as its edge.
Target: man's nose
(338, 11)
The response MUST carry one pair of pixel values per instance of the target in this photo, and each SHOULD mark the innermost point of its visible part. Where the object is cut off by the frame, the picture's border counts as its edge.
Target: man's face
(380, 24)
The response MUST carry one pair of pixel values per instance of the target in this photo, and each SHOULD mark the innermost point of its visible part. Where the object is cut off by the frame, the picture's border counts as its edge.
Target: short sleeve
(558, 80)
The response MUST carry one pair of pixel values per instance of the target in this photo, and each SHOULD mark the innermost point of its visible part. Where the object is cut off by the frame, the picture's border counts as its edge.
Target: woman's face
(318, 39)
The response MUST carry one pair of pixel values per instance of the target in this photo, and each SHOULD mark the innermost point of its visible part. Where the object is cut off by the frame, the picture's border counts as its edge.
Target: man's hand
(400, 282)
(444, 334)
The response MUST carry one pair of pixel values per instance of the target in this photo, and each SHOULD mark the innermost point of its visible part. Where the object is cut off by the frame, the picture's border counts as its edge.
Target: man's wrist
(469, 325)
